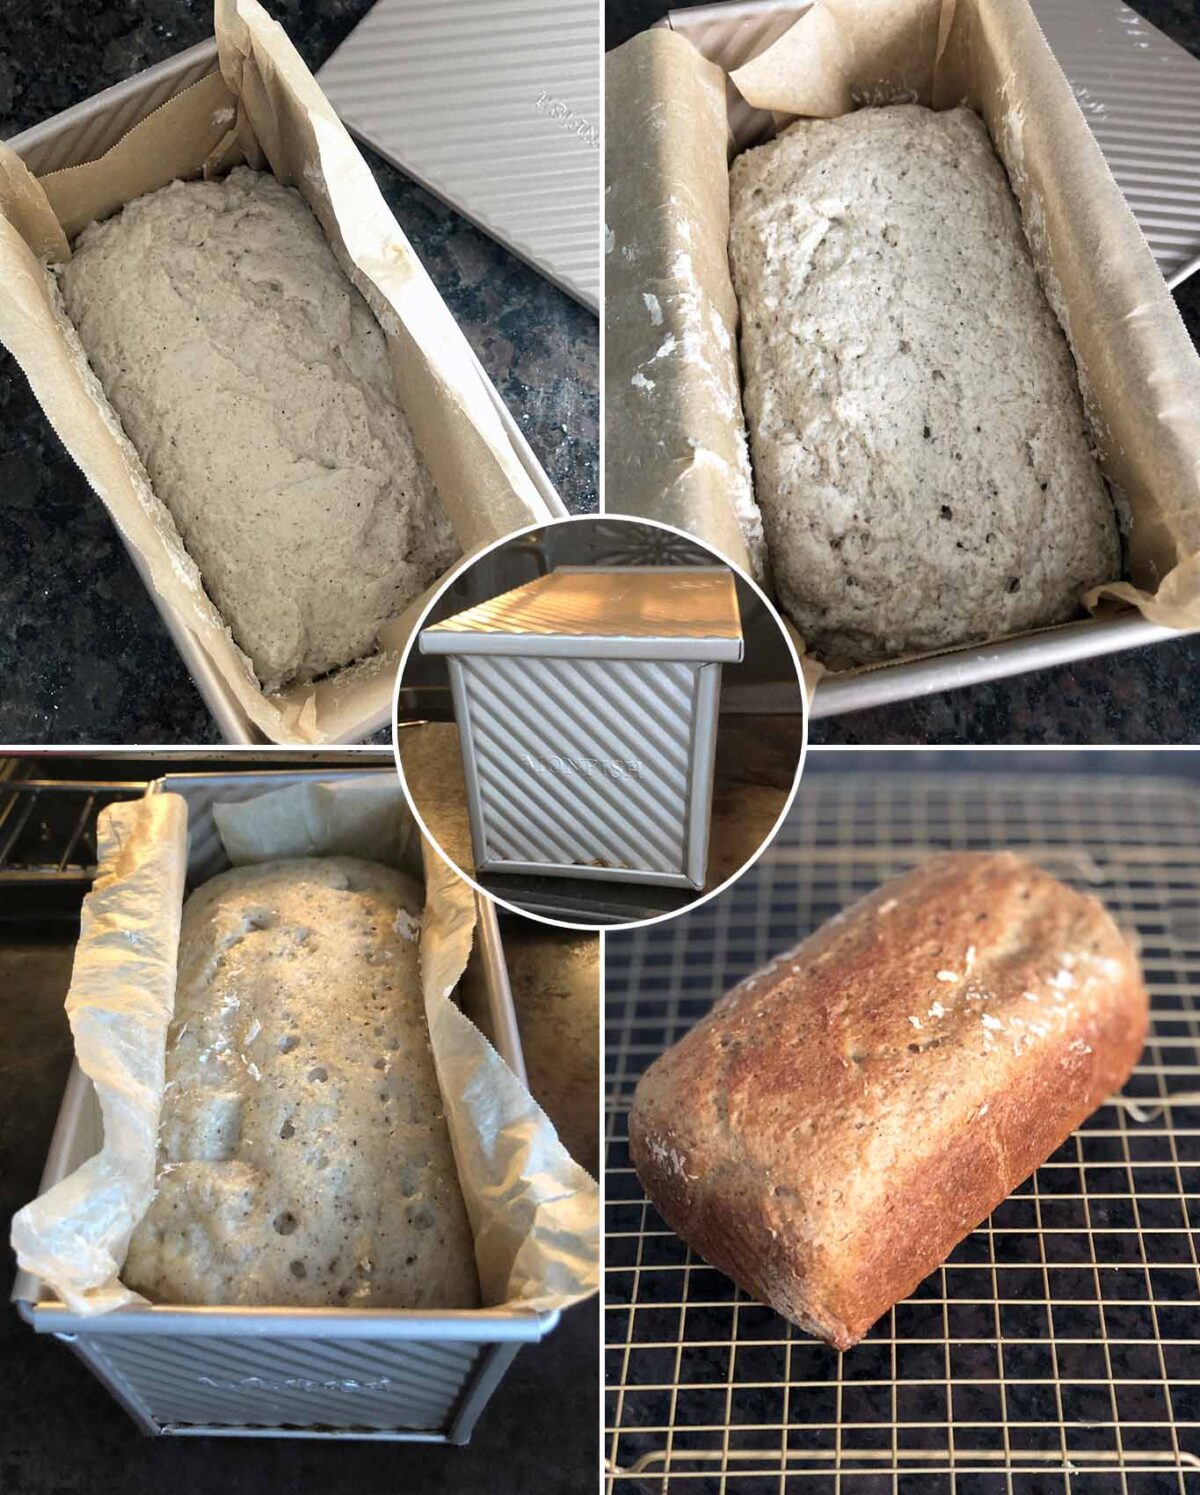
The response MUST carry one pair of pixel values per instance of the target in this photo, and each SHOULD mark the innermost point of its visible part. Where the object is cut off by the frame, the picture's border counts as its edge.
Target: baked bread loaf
(556, 992)
(843, 1118)
(919, 445)
(304, 1159)
(257, 388)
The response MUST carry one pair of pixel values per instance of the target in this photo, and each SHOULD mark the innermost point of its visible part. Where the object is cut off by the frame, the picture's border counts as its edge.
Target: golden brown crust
(841, 1119)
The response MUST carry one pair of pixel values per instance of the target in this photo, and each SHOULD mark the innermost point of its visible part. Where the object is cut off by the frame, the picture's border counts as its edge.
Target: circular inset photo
(599, 721)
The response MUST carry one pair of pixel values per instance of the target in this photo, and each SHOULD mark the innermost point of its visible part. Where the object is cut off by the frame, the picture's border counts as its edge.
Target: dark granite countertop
(84, 656)
(1147, 695)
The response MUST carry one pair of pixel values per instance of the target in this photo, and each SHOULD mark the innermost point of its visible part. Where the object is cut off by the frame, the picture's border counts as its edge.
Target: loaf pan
(588, 751)
(386, 1374)
(85, 132)
(1136, 89)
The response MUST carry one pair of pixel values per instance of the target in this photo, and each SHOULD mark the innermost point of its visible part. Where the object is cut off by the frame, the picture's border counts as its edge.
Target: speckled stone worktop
(84, 656)
(1148, 695)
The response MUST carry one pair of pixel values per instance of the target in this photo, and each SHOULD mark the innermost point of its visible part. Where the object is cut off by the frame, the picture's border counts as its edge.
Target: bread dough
(920, 450)
(555, 982)
(304, 1158)
(257, 388)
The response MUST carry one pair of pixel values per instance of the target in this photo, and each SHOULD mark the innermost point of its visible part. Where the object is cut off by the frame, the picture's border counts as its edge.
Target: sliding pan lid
(672, 612)
(494, 106)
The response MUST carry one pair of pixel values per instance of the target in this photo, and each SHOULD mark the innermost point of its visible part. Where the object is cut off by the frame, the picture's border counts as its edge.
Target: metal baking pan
(415, 84)
(1058, 1348)
(84, 133)
(588, 733)
(1140, 93)
(387, 1374)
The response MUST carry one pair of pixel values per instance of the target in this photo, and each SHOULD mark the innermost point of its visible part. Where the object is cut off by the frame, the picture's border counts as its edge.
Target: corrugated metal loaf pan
(388, 1374)
(1136, 88)
(84, 133)
(586, 704)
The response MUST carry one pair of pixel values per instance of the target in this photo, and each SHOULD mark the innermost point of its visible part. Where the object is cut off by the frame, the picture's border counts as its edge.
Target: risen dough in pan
(304, 1158)
(920, 451)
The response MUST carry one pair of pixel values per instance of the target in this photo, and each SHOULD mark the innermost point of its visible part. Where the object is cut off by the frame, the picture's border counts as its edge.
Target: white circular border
(465, 564)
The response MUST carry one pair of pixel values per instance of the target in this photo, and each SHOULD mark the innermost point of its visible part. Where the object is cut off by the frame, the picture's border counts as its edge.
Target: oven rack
(48, 826)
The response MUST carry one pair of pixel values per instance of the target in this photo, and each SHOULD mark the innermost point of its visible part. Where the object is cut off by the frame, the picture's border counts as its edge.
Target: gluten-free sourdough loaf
(843, 1118)
(304, 1159)
(256, 386)
(920, 450)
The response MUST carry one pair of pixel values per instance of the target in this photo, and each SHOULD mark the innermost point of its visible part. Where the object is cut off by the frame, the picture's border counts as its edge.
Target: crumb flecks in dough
(921, 455)
(257, 388)
(303, 1121)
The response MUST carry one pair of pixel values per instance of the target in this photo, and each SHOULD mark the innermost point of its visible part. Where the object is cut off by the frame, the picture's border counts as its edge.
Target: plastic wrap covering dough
(534, 1212)
(1139, 373)
(263, 110)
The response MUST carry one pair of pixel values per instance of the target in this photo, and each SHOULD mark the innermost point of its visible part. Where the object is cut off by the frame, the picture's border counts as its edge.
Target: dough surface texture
(304, 1159)
(920, 450)
(257, 388)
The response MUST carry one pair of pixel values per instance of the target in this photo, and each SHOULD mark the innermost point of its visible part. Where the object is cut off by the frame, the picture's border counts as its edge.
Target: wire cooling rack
(1058, 1350)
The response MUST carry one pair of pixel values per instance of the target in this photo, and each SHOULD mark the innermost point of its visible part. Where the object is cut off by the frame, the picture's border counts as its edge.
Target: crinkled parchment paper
(119, 1004)
(1138, 370)
(533, 1210)
(675, 442)
(264, 108)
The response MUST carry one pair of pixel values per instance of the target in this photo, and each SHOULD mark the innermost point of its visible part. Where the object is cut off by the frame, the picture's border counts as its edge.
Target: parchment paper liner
(534, 1212)
(668, 197)
(264, 108)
